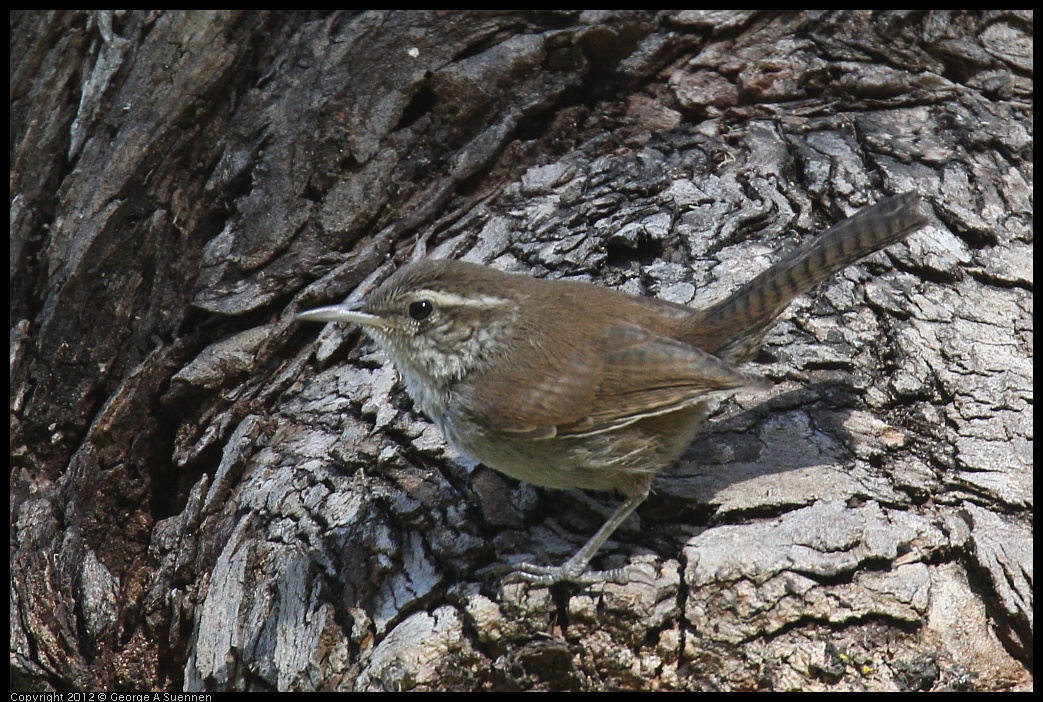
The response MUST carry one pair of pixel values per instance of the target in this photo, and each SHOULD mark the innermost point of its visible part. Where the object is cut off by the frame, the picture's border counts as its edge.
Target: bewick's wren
(566, 384)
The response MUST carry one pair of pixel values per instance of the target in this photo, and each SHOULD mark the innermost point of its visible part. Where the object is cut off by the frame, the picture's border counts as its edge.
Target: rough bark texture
(203, 497)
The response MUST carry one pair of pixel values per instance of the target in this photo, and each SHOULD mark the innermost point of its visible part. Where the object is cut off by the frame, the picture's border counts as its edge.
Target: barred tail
(734, 328)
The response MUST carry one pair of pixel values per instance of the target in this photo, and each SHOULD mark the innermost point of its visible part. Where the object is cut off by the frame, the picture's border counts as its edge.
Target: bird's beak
(344, 313)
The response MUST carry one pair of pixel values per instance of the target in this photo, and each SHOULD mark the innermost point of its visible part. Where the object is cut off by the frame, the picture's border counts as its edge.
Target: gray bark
(206, 497)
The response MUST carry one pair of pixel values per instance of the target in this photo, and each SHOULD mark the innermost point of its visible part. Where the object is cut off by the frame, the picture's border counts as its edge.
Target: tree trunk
(204, 497)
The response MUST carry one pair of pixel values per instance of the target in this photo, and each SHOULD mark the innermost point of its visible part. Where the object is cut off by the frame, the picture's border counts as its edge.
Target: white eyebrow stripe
(445, 299)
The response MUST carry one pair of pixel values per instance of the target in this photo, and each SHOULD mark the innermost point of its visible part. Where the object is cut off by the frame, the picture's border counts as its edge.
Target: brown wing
(633, 373)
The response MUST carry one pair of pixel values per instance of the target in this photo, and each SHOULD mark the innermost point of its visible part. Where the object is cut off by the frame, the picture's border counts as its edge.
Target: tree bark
(204, 497)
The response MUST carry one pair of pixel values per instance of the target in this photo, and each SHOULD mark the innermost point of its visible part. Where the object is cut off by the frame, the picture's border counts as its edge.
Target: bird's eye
(421, 309)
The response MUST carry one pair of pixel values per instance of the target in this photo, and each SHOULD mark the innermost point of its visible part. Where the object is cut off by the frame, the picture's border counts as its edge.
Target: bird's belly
(623, 459)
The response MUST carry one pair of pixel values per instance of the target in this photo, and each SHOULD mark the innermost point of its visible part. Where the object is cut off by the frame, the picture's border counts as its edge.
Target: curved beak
(344, 313)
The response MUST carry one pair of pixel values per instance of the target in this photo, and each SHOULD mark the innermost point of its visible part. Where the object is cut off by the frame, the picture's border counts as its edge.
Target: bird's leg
(575, 570)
